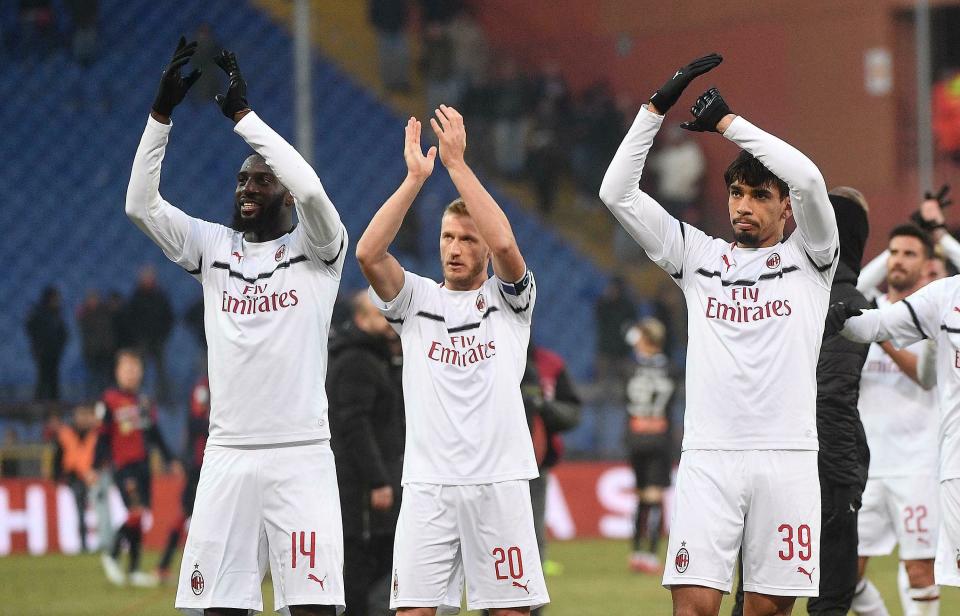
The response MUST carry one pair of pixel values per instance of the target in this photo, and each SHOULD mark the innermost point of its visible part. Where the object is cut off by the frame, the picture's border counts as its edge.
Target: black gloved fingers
(191, 79)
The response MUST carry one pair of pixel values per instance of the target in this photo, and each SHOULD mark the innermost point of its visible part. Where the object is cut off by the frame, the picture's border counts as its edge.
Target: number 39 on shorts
(796, 541)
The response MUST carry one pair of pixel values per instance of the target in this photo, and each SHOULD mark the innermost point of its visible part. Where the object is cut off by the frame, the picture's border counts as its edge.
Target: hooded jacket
(844, 456)
(366, 418)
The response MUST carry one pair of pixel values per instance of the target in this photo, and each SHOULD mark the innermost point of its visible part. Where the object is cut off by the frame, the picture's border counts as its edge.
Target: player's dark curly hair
(746, 169)
(910, 230)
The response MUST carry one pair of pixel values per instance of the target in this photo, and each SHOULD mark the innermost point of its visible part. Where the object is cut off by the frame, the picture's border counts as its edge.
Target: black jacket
(366, 419)
(844, 456)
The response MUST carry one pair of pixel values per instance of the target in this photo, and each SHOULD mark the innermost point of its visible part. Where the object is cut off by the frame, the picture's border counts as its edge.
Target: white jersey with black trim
(896, 414)
(933, 312)
(464, 355)
(755, 315)
(267, 305)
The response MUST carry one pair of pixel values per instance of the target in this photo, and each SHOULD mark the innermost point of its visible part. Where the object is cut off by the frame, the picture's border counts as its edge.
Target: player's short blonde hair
(851, 193)
(457, 207)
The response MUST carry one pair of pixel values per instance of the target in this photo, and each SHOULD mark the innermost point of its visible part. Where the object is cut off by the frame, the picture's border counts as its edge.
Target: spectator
(598, 126)
(679, 166)
(552, 407)
(544, 156)
(99, 340)
(207, 85)
(615, 313)
(149, 309)
(470, 48)
(83, 14)
(367, 426)
(73, 458)
(439, 12)
(511, 106)
(37, 27)
(48, 335)
(121, 332)
(389, 19)
(438, 68)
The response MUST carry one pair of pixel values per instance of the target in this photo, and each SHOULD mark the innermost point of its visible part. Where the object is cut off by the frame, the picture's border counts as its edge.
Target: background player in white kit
(933, 312)
(268, 487)
(466, 507)
(901, 500)
(748, 472)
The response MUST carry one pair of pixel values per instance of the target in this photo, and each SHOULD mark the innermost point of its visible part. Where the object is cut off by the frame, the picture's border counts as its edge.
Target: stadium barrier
(38, 516)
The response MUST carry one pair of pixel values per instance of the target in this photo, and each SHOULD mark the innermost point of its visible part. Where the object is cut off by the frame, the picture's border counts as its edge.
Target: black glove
(943, 199)
(668, 94)
(837, 315)
(236, 97)
(174, 86)
(707, 112)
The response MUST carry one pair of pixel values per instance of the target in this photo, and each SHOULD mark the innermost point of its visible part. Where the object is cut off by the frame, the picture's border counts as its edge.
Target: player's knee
(919, 573)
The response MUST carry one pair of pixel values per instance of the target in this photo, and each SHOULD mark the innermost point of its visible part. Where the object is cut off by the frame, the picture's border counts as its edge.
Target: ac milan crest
(280, 254)
(773, 261)
(196, 580)
(682, 561)
(481, 302)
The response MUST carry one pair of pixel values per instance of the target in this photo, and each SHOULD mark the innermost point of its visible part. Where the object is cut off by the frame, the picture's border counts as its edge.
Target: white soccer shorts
(946, 569)
(902, 511)
(766, 503)
(482, 532)
(272, 505)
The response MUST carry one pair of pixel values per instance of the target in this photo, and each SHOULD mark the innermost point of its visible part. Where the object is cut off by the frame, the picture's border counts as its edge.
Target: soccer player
(468, 455)
(930, 313)
(128, 430)
(900, 502)
(268, 487)
(748, 471)
(649, 392)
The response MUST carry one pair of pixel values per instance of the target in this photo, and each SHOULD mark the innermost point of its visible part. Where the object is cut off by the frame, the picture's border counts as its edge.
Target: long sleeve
(166, 225)
(316, 212)
(657, 232)
(872, 276)
(927, 365)
(808, 193)
(951, 249)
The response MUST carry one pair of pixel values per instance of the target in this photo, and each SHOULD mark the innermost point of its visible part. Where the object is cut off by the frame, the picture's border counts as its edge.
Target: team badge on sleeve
(481, 302)
(396, 584)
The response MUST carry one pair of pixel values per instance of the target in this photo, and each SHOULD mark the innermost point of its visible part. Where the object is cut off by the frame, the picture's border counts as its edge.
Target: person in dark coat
(367, 436)
(48, 335)
(99, 341)
(150, 319)
(844, 456)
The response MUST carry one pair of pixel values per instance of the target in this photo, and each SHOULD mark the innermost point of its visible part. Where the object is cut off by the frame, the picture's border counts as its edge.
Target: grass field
(595, 582)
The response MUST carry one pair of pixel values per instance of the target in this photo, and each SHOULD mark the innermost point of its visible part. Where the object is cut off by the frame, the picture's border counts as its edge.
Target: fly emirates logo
(463, 351)
(257, 299)
(747, 306)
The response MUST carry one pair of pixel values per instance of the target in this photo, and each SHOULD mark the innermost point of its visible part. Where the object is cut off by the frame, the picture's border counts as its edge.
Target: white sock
(867, 600)
(917, 601)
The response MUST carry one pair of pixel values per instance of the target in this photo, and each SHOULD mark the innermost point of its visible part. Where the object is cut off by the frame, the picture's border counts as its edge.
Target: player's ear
(288, 199)
(788, 210)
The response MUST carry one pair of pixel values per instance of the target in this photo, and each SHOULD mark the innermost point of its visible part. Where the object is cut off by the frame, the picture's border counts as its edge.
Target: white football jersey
(934, 312)
(464, 355)
(267, 305)
(755, 318)
(897, 415)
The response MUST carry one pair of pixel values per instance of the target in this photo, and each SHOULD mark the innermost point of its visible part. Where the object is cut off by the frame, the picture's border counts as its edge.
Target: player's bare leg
(509, 611)
(923, 595)
(416, 611)
(695, 601)
(756, 604)
(223, 611)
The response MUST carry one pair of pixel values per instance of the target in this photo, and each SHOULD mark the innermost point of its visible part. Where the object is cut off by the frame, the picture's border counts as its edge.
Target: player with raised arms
(466, 509)
(268, 488)
(748, 471)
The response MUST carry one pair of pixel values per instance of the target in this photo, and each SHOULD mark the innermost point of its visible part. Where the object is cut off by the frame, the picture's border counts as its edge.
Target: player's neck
(472, 285)
(259, 237)
(895, 296)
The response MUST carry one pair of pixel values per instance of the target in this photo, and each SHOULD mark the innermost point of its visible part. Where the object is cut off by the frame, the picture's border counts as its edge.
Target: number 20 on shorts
(513, 560)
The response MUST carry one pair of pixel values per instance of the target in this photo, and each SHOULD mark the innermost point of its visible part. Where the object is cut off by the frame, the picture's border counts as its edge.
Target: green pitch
(595, 582)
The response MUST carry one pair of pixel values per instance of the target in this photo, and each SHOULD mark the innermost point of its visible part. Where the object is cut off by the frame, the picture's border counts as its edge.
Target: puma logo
(728, 263)
(523, 586)
(809, 574)
(311, 576)
(237, 255)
